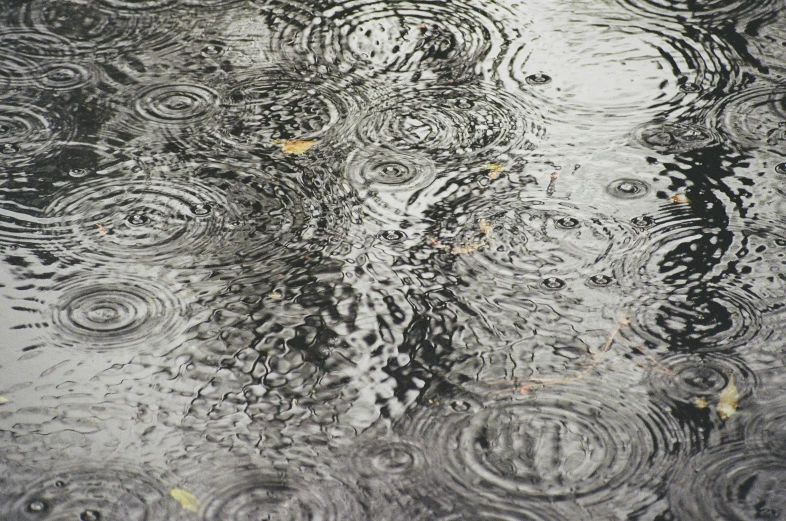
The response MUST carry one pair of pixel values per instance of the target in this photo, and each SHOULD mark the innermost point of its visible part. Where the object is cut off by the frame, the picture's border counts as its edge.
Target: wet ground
(392, 260)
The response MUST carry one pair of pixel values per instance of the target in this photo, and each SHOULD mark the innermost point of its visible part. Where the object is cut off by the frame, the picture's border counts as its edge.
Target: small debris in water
(727, 402)
(186, 499)
(679, 199)
(494, 170)
(295, 147)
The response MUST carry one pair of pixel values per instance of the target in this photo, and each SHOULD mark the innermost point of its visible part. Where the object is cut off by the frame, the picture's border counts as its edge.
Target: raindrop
(90, 515)
(538, 79)
(78, 172)
(600, 280)
(136, 219)
(37, 507)
(201, 209)
(627, 188)
(461, 406)
(9, 149)
(212, 51)
(553, 283)
(393, 236)
(781, 168)
(690, 88)
(567, 223)
(642, 222)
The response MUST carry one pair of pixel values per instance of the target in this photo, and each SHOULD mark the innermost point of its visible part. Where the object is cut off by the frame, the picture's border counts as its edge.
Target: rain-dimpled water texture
(388, 259)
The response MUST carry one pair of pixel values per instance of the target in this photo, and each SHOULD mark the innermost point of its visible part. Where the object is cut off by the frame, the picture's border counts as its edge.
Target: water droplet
(781, 168)
(642, 222)
(567, 223)
(538, 79)
(90, 515)
(9, 149)
(37, 507)
(460, 406)
(212, 51)
(60, 483)
(78, 172)
(136, 219)
(690, 88)
(4, 129)
(464, 103)
(627, 188)
(201, 209)
(393, 236)
(553, 283)
(600, 280)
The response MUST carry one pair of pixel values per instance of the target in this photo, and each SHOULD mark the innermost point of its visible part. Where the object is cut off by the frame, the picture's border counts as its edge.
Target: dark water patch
(90, 493)
(420, 38)
(706, 318)
(452, 123)
(210, 218)
(110, 311)
(556, 445)
(730, 482)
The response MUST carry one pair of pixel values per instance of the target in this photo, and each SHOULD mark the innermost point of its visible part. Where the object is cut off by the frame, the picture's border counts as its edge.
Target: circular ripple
(754, 117)
(654, 70)
(731, 483)
(535, 241)
(386, 169)
(65, 76)
(29, 133)
(103, 313)
(390, 459)
(686, 377)
(407, 36)
(138, 5)
(452, 123)
(704, 319)
(261, 496)
(92, 29)
(627, 188)
(676, 138)
(275, 105)
(93, 494)
(216, 219)
(176, 104)
(559, 444)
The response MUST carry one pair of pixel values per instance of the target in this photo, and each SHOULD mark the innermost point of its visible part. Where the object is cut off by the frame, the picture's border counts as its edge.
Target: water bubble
(538, 79)
(9, 149)
(781, 168)
(600, 281)
(627, 188)
(460, 406)
(393, 236)
(690, 87)
(78, 172)
(202, 209)
(37, 507)
(642, 222)
(212, 51)
(567, 223)
(137, 219)
(90, 515)
(553, 283)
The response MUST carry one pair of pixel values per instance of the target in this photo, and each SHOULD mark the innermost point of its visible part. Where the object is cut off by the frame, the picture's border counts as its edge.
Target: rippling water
(386, 259)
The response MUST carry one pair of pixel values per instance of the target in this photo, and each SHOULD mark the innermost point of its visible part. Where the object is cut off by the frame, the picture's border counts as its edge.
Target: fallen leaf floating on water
(494, 170)
(3, 400)
(101, 229)
(727, 402)
(701, 403)
(679, 199)
(275, 295)
(186, 499)
(296, 147)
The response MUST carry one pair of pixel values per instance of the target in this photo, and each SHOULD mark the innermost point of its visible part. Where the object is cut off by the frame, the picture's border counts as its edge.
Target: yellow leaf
(727, 402)
(3, 400)
(701, 403)
(186, 499)
(494, 170)
(275, 295)
(679, 199)
(296, 147)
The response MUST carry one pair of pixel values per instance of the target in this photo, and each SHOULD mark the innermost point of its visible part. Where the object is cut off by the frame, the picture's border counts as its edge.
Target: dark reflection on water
(358, 259)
